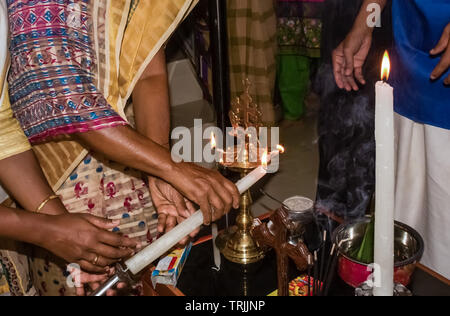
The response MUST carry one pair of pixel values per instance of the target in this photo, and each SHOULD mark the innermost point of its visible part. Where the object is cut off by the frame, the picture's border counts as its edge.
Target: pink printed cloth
(53, 77)
(104, 189)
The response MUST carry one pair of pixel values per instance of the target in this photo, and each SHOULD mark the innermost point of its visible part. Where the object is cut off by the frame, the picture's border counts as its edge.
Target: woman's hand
(171, 206)
(208, 188)
(349, 58)
(443, 47)
(84, 240)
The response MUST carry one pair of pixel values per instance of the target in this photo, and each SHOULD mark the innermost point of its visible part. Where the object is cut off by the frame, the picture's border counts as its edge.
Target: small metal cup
(301, 213)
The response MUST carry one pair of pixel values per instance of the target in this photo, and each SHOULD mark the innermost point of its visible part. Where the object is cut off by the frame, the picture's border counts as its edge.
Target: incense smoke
(347, 121)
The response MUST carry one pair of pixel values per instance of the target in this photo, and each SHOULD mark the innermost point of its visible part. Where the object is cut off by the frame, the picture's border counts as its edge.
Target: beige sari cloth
(126, 42)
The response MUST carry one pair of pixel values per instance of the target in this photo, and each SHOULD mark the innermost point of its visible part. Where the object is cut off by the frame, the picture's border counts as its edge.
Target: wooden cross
(284, 250)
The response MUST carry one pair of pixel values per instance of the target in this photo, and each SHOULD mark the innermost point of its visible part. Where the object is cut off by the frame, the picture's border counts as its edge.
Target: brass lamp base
(239, 247)
(237, 244)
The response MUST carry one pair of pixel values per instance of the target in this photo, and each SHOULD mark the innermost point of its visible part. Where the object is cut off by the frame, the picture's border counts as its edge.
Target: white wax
(247, 182)
(151, 253)
(216, 251)
(385, 190)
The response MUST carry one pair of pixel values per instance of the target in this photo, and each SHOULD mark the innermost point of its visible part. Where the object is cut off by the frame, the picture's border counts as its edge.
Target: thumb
(102, 223)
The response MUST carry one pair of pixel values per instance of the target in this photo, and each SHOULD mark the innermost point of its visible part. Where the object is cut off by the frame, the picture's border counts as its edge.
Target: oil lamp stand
(237, 244)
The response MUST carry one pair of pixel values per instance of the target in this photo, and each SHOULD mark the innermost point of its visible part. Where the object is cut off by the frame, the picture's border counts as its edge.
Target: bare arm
(152, 115)
(151, 102)
(20, 225)
(207, 188)
(75, 238)
(22, 177)
(147, 148)
(349, 57)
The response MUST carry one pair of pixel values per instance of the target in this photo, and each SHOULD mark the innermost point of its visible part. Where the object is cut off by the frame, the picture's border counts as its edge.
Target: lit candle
(385, 185)
(150, 254)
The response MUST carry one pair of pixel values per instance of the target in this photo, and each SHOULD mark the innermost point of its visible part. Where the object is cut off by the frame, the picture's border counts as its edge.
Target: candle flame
(213, 141)
(386, 67)
(281, 149)
(265, 159)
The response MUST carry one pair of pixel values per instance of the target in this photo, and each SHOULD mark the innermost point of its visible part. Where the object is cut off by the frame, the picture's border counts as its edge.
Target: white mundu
(423, 188)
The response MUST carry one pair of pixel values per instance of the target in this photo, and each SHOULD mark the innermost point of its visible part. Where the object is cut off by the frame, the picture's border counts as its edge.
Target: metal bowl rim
(413, 260)
(309, 210)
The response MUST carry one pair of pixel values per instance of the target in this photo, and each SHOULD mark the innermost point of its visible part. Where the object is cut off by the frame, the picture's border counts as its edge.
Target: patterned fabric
(300, 26)
(105, 189)
(12, 139)
(14, 262)
(133, 7)
(252, 46)
(122, 52)
(54, 88)
(151, 24)
(4, 287)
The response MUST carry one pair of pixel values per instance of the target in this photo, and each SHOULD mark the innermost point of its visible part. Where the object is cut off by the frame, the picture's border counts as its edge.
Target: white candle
(385, 189)
(216, 251)
(151, 253)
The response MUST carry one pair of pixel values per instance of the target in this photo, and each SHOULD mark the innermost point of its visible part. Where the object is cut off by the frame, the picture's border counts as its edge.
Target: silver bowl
(409, 248)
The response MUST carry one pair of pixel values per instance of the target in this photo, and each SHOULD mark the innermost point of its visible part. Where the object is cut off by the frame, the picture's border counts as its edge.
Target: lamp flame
(386, 67)
(213, 141)
(281, 149)
(265, 159)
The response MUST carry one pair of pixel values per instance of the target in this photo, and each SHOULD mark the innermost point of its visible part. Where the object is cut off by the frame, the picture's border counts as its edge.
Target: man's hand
(84, 240)
(171, 206)
(442, 47)
(208, 188)
(349, 58)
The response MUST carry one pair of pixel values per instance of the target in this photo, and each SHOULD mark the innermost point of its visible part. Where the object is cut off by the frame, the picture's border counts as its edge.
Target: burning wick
(281, 149)
(386, 67)
(265, 159)
(213, 141)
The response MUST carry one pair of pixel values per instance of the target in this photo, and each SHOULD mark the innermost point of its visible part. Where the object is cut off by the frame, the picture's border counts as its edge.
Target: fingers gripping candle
(385, 186)
(144, 258)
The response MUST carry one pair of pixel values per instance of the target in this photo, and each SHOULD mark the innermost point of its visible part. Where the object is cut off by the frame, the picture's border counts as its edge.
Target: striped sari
(74, 65)
(252, 47)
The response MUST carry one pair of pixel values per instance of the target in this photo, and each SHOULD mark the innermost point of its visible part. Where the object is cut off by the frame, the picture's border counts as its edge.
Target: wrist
(54, 207)
(174, 172)
(37, 227)
(361, 26)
